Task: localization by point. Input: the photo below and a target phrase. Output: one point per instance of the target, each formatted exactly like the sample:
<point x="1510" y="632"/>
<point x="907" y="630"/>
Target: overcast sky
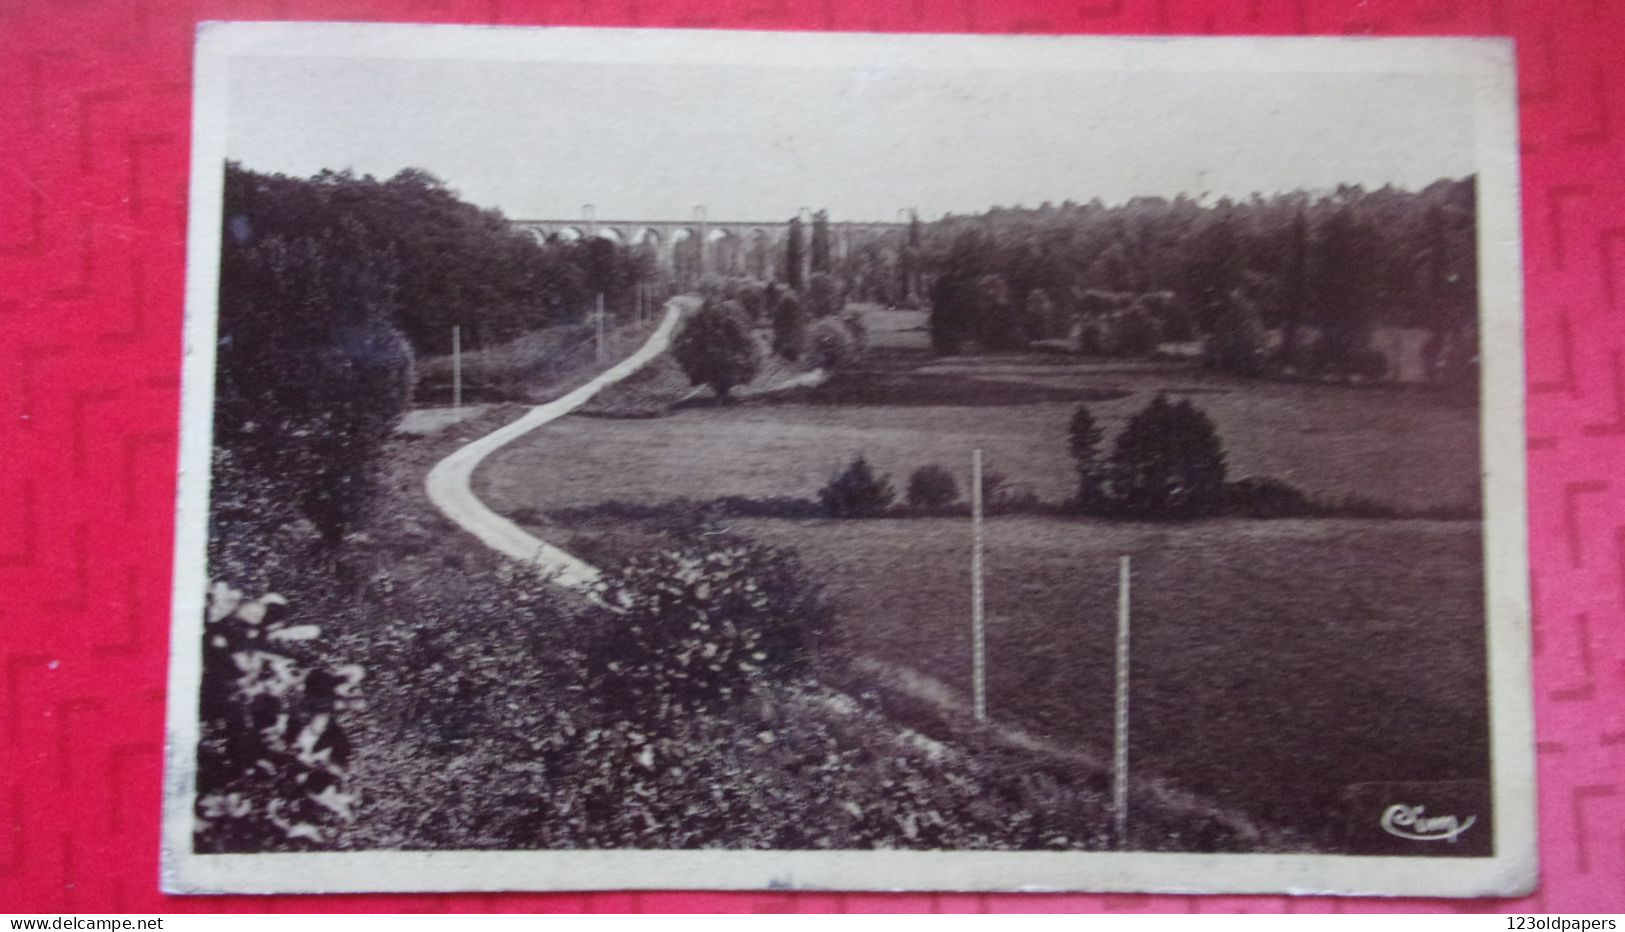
<point x="754" y="143"/>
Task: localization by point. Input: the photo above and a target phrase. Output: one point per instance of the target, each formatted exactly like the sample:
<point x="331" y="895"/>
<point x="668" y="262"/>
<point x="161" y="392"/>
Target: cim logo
<point x="1409" y="822"/>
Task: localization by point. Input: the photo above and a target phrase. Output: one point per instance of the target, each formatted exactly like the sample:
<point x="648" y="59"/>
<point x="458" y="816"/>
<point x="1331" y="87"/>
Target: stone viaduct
<point x="688" y="248"/>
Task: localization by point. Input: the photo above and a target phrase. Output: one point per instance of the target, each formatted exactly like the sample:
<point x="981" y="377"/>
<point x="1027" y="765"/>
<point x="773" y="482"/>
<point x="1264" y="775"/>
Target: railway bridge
<point x="688" y="248"/>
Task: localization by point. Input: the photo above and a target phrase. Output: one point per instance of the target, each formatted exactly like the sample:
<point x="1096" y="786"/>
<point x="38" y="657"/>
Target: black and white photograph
<point x="683" y="459"/>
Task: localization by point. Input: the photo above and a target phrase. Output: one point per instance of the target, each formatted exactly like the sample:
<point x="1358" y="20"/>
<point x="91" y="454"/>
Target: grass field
<point x="1275" y="664"/>
<point x="1397" y="446"/>
<point x="1278" y="665"/>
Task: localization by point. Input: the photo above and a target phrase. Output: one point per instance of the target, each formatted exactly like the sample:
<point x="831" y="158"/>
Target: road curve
<point x="449" y="483"/>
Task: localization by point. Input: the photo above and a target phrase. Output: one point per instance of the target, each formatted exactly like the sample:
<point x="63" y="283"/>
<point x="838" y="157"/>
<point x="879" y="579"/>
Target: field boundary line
<point x="450" y="483"/>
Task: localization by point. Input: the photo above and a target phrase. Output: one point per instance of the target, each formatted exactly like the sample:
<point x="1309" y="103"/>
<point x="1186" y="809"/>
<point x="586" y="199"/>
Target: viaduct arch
<point x="697" y="246"/>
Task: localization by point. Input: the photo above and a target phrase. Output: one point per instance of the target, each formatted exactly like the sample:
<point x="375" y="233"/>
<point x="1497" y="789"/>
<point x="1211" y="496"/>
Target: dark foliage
<point x="450" y="262"/>
<point x="834" y="345"/>
<point x="1137" y="331"/>
<point x="1236" y="343"/>
<point x="716" y="349"/>
<point x="825" y="295"/>
<point x="1340" y="263"/>
<point x="1344" y="282"/>
<point x="273" y="760"/>
<point x="932" y="487"/>
<point x="1084" y="437"/>
<point x="1263" y="497"/>
<point x="1167" y="463"/>
<point x="1041" y="317"/>
<point x="789" y="327"/>
<point x="819" y="259"/>
<point x="857" y="492"/>
<point x="794" y="255"/>
<point x="311" y="374"/>
<point x="701" y="624"/>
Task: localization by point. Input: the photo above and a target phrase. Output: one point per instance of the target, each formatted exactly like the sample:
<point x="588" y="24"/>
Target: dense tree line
<point x="449" y="262"/>
<point x="1338" y="263"/>
<point x="329" y="288"/>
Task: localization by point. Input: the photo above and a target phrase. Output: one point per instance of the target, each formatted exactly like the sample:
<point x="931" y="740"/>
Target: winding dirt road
<point x="449" y="483"/>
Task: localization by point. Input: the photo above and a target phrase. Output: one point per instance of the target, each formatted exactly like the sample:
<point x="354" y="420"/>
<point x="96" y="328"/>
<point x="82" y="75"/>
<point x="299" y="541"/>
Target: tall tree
<point x="1216" y="261"/>
<point x="1294" y="280"/>
<point x="1343" y="288"/>
<point x="908" y="263"/>
<point x="820" y="242"/>
<point x="793" y="255"/>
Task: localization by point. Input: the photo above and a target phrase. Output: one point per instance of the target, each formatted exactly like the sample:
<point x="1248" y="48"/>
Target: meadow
<point x="1279" y="666"/>
<point x="1398" y="446"/>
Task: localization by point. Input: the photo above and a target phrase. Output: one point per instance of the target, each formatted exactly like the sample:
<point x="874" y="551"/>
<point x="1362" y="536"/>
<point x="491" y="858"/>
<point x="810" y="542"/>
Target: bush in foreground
<point x="701" y="624"/>
<point x="272" y="768"/>
<point x="856" y="492"/>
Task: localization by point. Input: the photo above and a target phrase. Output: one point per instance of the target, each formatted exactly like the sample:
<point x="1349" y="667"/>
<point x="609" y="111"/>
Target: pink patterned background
<point x="94" y="126"/>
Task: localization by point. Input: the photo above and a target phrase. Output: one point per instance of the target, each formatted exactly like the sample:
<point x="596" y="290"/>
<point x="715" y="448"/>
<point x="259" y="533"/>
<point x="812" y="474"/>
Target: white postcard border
<point x="1486" y="63"/>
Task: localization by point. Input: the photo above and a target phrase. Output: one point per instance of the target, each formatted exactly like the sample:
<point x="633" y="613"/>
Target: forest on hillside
<point x="1334" y="264"/>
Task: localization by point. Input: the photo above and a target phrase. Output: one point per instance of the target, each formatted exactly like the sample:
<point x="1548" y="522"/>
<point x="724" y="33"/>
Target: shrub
<point x="1237" y="341"/>
<point x="992" y="486"/>
<point x="833" y="345"/>
<point x="932" y="487"/>
<point x="273" y="761"/>
<point x="789" y="327"/>
<point x="1264" y="497"/>
<point x="1012" y="495"/>
<point x="1167" y="463"/>
<point x="856" y="492"/>
<point x="701" y="624"/>
<point x="715" y="348"/>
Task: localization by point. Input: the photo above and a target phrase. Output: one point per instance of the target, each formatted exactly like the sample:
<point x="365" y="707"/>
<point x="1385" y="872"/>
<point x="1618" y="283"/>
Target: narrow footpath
<point x="450" y="488"/>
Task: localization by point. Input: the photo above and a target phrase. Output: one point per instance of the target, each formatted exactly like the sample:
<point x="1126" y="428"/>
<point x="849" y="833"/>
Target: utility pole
<point x="978" y="635"/>
<point x="1120" y="745"/>
<point x="600" y="326"/>
<point x="457" y="367"/>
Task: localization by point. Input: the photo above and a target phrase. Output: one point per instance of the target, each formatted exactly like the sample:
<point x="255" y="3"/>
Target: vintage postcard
<point x="684" y="459"/>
